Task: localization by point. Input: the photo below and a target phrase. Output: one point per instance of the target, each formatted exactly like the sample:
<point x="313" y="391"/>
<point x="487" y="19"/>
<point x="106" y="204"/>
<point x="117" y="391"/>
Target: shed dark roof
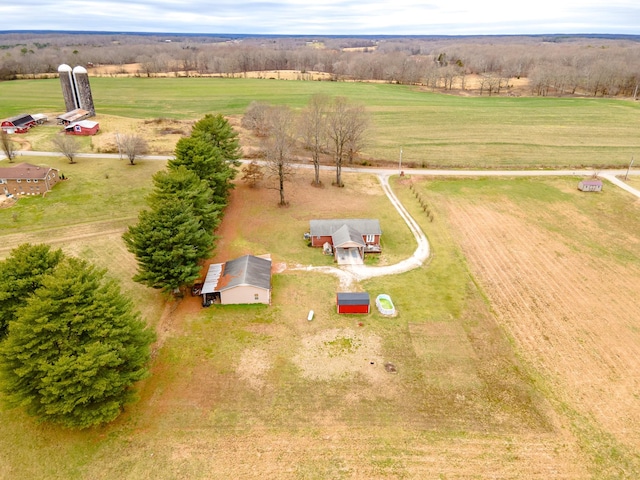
<point x="246" y="270"/>
<point x="357" y="298"/>
<point x="20" y="120"/>
<point x="322" y="228"/>
<point x="24" y="170"/>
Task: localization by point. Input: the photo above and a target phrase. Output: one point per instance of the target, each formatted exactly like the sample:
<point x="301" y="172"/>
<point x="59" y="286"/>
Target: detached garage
<point x="241" y="281"/>
<point x="353" y="302"/>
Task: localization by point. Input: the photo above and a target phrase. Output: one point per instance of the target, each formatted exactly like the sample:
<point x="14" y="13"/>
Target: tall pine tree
<point x="75" y="349"/>
<point x="168" y="242"/>
<point x="20" y="275"/>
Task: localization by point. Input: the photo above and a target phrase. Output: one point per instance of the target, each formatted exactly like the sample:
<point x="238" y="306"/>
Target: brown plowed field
<point x="572" y="310"/>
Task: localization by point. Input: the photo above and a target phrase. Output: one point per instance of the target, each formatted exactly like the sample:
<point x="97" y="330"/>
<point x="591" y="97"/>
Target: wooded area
<point x="553" y="64"/>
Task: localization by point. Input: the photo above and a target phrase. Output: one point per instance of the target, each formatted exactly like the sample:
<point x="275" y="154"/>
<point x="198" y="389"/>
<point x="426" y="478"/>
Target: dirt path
<point x="66" y="234"/>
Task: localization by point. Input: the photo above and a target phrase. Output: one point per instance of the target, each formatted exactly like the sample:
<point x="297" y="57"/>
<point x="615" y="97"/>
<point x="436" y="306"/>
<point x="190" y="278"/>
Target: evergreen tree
<point x="75" y="349"/>
<point x="168" y="242"/>
<point x="216" y="130"/>
<point x="183" y="184"/>
<point x="208" y="163"/>
<point x="20" y="275"/>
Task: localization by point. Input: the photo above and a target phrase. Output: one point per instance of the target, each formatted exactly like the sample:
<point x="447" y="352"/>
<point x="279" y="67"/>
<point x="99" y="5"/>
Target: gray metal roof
<point x="211" y="280"/>
<point x="346" y="234"/>
<point x="246" y="270"/>
<point x="365" y="226"/>
<point x="353" y="298"/>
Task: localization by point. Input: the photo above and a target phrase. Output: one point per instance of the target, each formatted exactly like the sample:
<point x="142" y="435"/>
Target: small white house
<point x="244" y="280"/>
<point x="590" y="185"/>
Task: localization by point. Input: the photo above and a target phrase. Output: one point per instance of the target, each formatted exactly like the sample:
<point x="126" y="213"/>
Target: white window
<point x="371" y="238"/>
<point x="256" y="296"/>
<point x="28" y="180"/>
<point x="35" y="180"/>
<point x="19" y="180"/>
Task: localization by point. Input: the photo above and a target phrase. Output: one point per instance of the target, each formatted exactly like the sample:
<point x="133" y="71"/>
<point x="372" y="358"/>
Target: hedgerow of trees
<point x="555" y="64"/>
<point x="176" y="233"/>
<point x="72" y="345"/>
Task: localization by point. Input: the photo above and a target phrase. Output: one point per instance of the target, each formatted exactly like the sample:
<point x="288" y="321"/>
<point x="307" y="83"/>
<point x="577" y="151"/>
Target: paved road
<point x="349" y="273"/>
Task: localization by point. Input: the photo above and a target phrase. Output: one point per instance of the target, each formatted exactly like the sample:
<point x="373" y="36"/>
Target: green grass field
<point x="232" y="391"/>
<point x="432" y="129"/>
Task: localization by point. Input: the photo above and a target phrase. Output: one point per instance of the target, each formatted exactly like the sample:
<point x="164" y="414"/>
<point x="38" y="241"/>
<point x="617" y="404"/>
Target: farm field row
<point x="432" y="129"/>
<point x="502" y="343"/>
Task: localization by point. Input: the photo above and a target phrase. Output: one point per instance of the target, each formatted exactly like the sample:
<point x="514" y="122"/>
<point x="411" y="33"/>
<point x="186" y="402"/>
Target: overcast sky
<point x="326" y="17"/>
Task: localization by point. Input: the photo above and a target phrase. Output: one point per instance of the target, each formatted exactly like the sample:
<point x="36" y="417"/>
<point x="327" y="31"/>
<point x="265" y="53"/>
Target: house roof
<point x="595" y="182"/>
<point x="83" y="123"/>
<point x="19" y="120"/>
<point x="246" y="270"/>
<point x="74" y="115"/>
<point x="346" y="234"/>
<point x="25" y="170"/>
<point x="322" y="228"/>
<point x="353" y="298"/>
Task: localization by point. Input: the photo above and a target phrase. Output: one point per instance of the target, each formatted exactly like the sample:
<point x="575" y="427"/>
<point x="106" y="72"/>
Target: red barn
<point x="18" y="124"/>
<point x="83" y="127"/>
<point x="353" y="302"/>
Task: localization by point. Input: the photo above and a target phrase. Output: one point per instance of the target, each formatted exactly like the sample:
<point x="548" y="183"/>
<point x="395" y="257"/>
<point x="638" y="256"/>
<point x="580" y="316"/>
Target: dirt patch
<point x="341" y="354"/>
<point x="254" y="364"/>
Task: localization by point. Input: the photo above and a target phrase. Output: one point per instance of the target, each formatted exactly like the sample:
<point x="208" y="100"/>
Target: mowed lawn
<point x="260" y="391"/>
<point x="433" y="130"/>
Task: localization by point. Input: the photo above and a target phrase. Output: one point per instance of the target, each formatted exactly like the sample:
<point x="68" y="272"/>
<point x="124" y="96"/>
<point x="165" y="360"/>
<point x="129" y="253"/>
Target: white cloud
<point x="329" y="17"/>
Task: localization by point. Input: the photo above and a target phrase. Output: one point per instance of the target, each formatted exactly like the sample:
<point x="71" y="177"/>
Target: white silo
<point x="68" y="87"/>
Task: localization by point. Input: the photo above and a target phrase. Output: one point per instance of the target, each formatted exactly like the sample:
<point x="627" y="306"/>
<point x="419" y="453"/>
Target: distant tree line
<point x="176" y="233"/>
<point x="555" y="65"/>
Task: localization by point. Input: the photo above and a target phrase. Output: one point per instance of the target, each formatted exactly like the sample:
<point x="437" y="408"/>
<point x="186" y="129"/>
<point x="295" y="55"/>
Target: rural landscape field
<point x="515" y="345"/>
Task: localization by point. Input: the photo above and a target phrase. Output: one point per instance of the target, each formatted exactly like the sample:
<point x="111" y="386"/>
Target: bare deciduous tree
<point x="356" y="131"/>
<point x="133" y="146"/>
<point x="67" y="145"/>
<point x="277" y="147"/>
<point x="313" y="130"/>
<point x="8" y="146"/>
<point x="346" y="125"/>
<point x="255" y="118"/>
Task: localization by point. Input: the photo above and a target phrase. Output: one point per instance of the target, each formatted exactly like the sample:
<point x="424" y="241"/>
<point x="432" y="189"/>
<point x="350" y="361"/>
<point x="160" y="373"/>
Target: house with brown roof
<point x="28" y="179"/>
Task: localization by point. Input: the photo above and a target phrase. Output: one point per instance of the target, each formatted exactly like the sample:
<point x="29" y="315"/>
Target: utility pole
<point x="628" y="168"/>
<point x="400" y="162"/>
<point x="119" y="146"/>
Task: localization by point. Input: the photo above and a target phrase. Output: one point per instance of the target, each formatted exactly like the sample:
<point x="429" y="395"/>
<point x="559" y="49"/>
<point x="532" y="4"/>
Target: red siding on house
<point x="320" y="241"/>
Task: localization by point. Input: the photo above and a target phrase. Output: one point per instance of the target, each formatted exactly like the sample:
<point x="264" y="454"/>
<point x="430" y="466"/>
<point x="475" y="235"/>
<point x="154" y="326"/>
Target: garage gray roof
<point x="246" y="270"/>
<point x="346" y="234"/>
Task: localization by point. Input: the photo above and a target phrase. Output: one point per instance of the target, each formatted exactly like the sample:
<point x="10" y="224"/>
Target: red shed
<point x="83" y="127"/>
<point x="353" y="302"/>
